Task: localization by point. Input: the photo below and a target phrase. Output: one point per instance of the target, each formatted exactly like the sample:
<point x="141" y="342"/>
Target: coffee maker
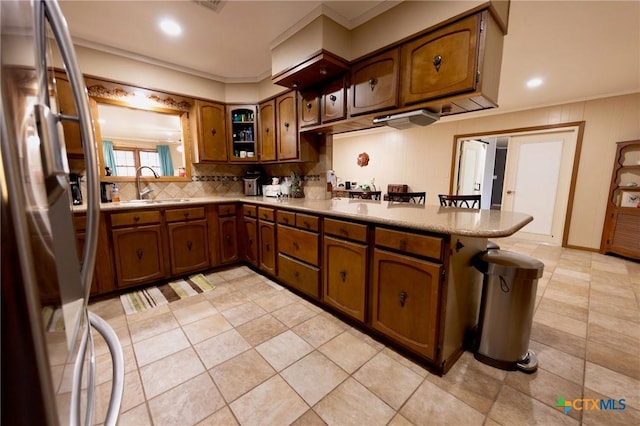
<point x="76" y="192"/>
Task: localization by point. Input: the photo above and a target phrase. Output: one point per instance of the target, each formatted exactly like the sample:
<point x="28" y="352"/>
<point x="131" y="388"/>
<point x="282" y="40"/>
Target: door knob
<point x="510" y="192"/>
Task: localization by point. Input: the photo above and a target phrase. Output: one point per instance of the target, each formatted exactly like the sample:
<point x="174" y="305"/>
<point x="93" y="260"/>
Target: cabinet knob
<point x="296" y="246"/>
<point x="402" y="297"/>
<point x="343" y="275"/>
<point x="189" y="244"/>
<point x="333" y="99"/>
<point x="285" y="220"/>
<point x="267" y="247"/>
<point x="136" y="218"/>
<point x="266" y="130"/>
<point x="228" y="238"/>
<point x="344" y="232"/>
<point x="139" y="253"/>
<point x="309" y="106"/>
<point x="403" y="244"/>
<point x="250" y="241"/>
<point x="437" y="61"/>
<point x="307" y="224"/>
<point x="296" y="274"/>
<point x="372" y="83"/>
<point x="213" y="132"/>
<point x="286" y="126"/>
<point x="186" y="214"/>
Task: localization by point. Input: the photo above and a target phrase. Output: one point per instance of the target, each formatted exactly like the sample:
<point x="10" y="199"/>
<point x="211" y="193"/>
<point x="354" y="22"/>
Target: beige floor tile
<point x="293" y="314"/>
<point x="545" y="387"/>
<point x="220" y="348"/>
<point x="553" y="302"/>
<point x="374" y="343"/>
<point x="284" y="349"/>
<point x="612" y="301"/>
<point x="313" y="377"/>
<point x="241" y="374"/>
<point x="613" y="338"/>
<point x="613" y="359"/>
<point x="348" y="351"/>
<point x="259" y="289"/>
<point x="215" y="278"/>
<point x="558" y="362"/>
<point x="151" y="326"/>
<point x="610" y="417"/>
<point x="137" y="416"/>
<point x="194" y="312"/>
<point x="132" y="396"/>
<point x="274" y="301"/>
<point x="235" y="273"/>
<point x="170" y="371"/>
<point x="222" y="417"/>
<point x="104" y="367"/>
<point x="222" y="302"/>
<point x="261" y="329"/>
<point x="432" y="405"/>
<point x="107" y="309"/>
<point x="159" y="346"/>
<point x="558" y="339"/>
<point x="561" y="322"/>
<point x="611" y="384"/>
<point x="352" y="404"/>
<point x="515" y="408"/>
<point x="411" y="365"/>
<point x="206" y="328"/>
<point x="310" y="418"/>
<point x="628" y="328"/>
<point x="389" y="380"/>
<point x="147" y="314"/>
<point x="187" y="403"/>
<point x="399" y="420"/>
<point x="243" y="313"/>
<point x="472" y="382"/>
<point x="320" y="329"/>
<point x="271" y="403"/>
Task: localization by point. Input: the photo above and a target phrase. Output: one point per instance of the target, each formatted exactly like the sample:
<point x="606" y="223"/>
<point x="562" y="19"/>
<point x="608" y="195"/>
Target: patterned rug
<point x="141" y="300"/>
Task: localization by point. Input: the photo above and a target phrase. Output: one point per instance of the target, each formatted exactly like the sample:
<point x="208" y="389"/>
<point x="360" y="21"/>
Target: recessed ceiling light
<point x="170" y="27"/>
<point x="534" y="82"/>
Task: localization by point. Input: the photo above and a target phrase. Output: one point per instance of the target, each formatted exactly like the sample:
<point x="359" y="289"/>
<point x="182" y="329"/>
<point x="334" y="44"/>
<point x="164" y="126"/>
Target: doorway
<point x="532" y="172"/>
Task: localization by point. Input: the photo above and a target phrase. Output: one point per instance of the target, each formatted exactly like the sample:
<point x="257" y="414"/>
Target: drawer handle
<point x="343" y="275"/>
<point x="250" y="241"/>
<point x="437" y="61"/>
<point x="307" y="224"/>
<point x="309" y="106"/>
<point x="136" y="218"/>
<point x="189" y="244"/>
<point x="403" y="297"/>
<point x="403" y="244"/>
<point x="344" y="232"/>
<point x="265" y="215"/>
<point x="285" y="220"/>
<point x="333" y="99"/>
<point x="228" y="238"/>
<point x="296" y="246"/>
<point x="296" y="274"/>
<point x="139" y="253"/>
<point x="372" y="83"/>
<point x="213" y="132"/>
<point x="266" y="130"/>
<point x="459" y="246"/>
<point x="186" y="215"/>
<point x="267" y="247"/>
<point x="286" y="126"/>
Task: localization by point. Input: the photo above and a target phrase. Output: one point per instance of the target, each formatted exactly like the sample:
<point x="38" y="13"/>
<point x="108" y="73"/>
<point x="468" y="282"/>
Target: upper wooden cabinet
<point x="67" y="106"/>
<point x="441" y="63"/>
<point x="241" y="128"/>
<point x="211" y="141"/>
<point x="267" y="131"/>
<point x="309" y="108"/>
<point x="333" y="102"/>
<point x="374" y="83"/>
<point x="287" y="120"/>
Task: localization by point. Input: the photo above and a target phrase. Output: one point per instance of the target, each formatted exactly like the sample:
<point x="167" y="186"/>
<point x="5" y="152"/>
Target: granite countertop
<point x="445" y="220"/>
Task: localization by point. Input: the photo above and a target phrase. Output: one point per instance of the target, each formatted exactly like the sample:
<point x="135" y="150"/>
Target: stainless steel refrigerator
<point x="48" y="358"/>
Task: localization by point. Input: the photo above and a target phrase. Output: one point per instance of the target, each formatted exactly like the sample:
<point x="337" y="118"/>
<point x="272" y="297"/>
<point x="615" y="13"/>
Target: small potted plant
<point x="296" y="186"/>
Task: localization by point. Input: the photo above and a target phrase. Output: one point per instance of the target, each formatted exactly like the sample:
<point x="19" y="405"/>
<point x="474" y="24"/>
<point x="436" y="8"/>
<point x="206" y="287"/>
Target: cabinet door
<point x="374" y="84"/>
<point x="189" y="246"/>
<point x="406" y="294"/>
<point x="442" y="63"/>
<point x="250" y="241"/>
<point x="309" y="108"/>
<point x="345" y="266"/>
<point x="267" y="232"/>
<point x="334" y="101"/>
<point x="241" y="128"/>
<point x="67" y="106"/>
<point x="138" y="255"/>
<point x="287" y="137"/>
<point x="267" y="136"/>
<point x="229" y="239"/>
<point x="212" y="138"/>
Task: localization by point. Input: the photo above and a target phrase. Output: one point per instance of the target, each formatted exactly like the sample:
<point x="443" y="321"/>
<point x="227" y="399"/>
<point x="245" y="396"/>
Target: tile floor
<point x="252" y="353"/>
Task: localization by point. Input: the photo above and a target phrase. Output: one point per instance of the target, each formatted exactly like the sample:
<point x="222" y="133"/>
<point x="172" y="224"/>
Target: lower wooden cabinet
<point x="267" y="234"/>
<point x="188" y="246"/>
<point x="229" y="239"/>
<point x="103" y="276"/>
<point x="405" y="300"/>
<point x="345" y="276"/>
<point x="138" y="254"/>
<point x="250" y="240"/>
<point x="299" y="275"/>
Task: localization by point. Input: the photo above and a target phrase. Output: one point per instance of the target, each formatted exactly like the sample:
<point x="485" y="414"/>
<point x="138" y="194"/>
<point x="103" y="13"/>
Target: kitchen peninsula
<point x="399" y="271"/>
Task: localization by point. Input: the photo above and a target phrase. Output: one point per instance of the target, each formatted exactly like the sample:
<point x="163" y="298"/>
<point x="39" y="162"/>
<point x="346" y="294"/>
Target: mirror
<point x="134" y="129"/>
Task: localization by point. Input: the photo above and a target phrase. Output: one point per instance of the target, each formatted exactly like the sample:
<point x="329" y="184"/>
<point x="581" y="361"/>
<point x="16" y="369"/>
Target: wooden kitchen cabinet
<point x="227" y="230"/>
<point x="103" y="276"/>
<point x="188" y="241"/>
<point x="405" y="300"/>
<point x="138" y="247"/>
<point x="242" y="133"/>
<point x="287" y="130"/>
<point x="67" y="106"/>
<point x="211" y="138"/>
<point x="621" y="231"/>
<point x="309" y="108"/>
<point x="267" y="237"/>
<point x="267" y="131"/>
<point x="249" y="235"/>
<point x="374" y="83"/>
<point x="333" y="102"/>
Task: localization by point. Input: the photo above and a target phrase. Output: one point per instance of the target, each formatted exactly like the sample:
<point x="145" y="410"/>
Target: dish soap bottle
<point x="115" y="194"/>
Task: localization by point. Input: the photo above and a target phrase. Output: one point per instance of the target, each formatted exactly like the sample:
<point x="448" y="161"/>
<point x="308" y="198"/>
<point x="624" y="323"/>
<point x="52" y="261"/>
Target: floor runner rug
<point x="141" y="300"/>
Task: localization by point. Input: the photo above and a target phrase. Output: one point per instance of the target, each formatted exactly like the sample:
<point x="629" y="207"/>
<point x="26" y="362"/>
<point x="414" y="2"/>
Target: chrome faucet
<point x="147" y="189"/>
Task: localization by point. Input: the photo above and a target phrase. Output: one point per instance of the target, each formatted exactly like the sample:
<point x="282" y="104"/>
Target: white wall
<point x="421" y="157"/>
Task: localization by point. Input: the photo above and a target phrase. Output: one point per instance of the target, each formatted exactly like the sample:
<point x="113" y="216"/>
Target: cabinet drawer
<point x="266" y="214"/>
<point x="305" y="221"/>
<point x="342" y="229"/>
<point x="300" y="276"/>
<point x="80" y="222"/>
<point x="421" y="245"/>
<point x="300" y="244"/>
<point x="135" y="218"/>
<point x="287" y="218"/>
<point x="175" y="215"/>
<point x="250" y="211"/>
<point x="226" y="209"/>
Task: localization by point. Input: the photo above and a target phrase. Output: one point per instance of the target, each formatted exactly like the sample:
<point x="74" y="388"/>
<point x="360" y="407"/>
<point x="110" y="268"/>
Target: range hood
<point x="404" y="120"/>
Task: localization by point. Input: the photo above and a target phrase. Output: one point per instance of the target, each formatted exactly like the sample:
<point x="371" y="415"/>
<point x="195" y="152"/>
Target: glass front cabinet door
<point x="242" y="133"/>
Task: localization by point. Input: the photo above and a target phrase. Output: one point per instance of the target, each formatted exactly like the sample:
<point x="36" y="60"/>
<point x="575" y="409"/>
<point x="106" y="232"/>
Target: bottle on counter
<point x="115" y="194"/>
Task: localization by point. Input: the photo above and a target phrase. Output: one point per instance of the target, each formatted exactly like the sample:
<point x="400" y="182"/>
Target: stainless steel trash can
<point x="506" y="310"/>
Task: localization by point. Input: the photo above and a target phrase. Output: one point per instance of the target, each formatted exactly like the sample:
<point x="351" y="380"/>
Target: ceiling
<point x="581" y="49"/>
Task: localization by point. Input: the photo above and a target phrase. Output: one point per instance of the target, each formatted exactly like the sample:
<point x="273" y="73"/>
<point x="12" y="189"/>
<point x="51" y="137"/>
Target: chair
<point x="466" y="201"/>
<point x="365" y="195"/>
<point x="407" y="197"/>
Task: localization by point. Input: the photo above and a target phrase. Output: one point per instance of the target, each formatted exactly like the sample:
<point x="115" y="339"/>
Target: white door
<point x="471" y="167"/>
<point x="537" y="182"/>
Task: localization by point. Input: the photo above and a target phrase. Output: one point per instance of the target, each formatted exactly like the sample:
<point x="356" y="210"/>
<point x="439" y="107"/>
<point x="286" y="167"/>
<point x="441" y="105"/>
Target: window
<point x="129" y="159"/>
